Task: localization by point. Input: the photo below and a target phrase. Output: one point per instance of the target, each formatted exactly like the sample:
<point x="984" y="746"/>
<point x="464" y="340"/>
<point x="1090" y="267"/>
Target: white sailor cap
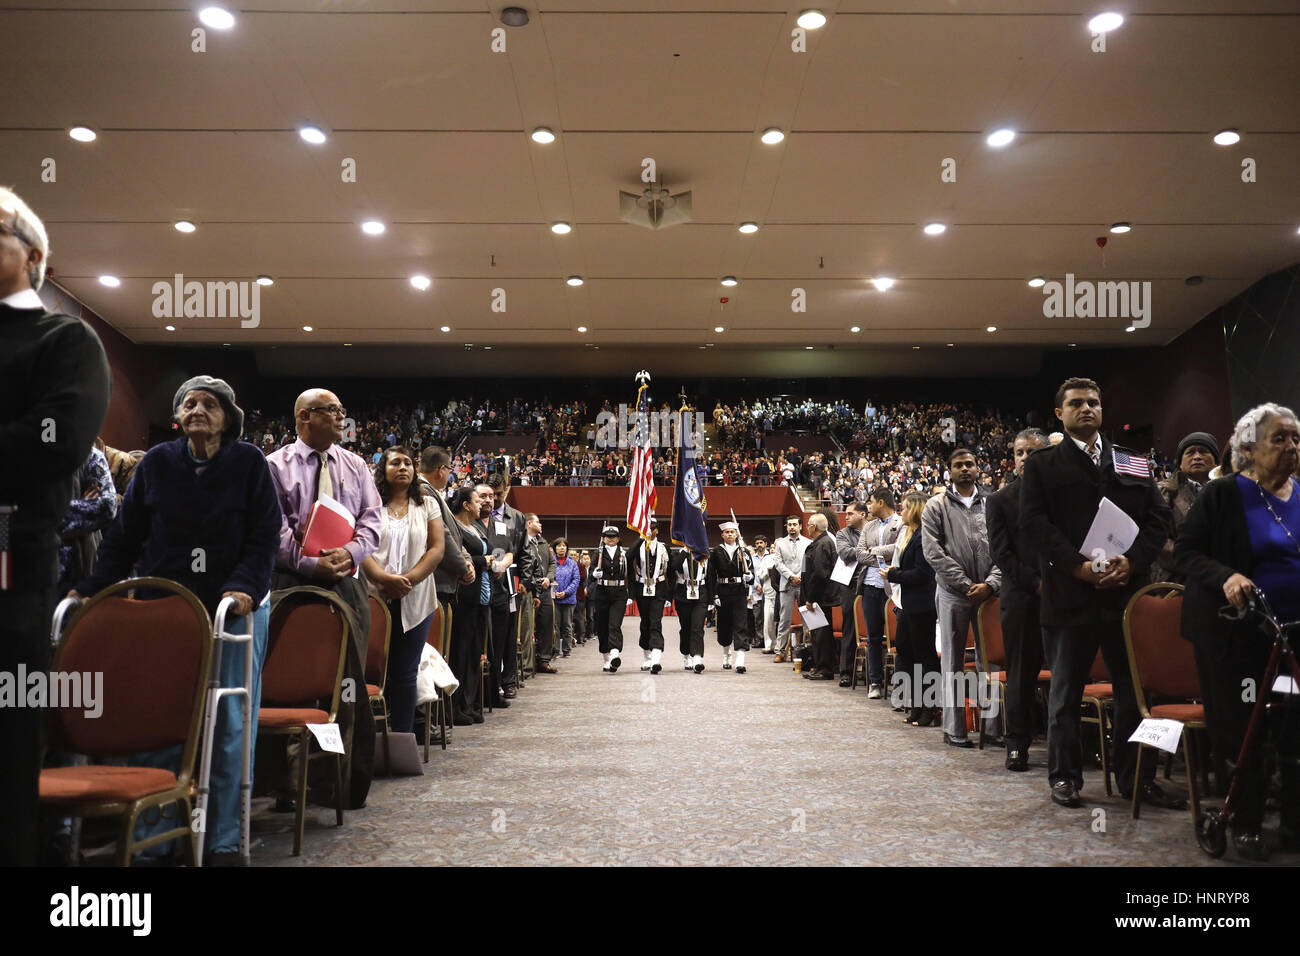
<point x="728" y="526"/>
<point x="609" y="529"/>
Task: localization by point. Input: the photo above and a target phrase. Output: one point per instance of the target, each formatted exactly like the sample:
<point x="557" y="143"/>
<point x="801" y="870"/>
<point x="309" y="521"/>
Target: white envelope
<point x="813" y="617"/>
<point x="1112" y="531"/>
<point x="843" y="573"/>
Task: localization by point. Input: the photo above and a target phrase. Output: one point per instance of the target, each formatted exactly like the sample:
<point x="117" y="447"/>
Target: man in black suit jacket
<point x="1083" y="596"/>
<point x="509" y="521"/>
<point x="54" y="386"/>
<point x="1022" y="634"/>
<point x="816" y="587"/>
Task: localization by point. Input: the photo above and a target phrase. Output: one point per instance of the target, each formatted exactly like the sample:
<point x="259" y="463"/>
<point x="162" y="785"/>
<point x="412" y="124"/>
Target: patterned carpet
<point x="716" y="769"/>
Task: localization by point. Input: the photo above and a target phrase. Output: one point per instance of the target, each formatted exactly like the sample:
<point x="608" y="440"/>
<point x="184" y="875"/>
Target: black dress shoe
<point x="613" y="665"/>
<point x="1017" y="760"/>
<point x="510" y="693"/>
<point x="501" y="702"/>
<point x="1063" y="792"/>
<point x="285" y="805"/>
<point x="740" y="668"/>
<point x="1154" y="796"/>
<point x="656" y="668"/>
<point x="995" y="742"/>
<point x="820" y="675"/>
<point x="963" y="742"/>
<point x="1250" y="846"/>
<point x="462" y="720"/>
<point x="477" y="718"/>
<point x="845" y="682"/>
<point x="928" y="717"/>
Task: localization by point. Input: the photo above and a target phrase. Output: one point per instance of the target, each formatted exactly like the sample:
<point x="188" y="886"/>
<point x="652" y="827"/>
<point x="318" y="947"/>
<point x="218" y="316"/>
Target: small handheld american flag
<point x="1130" y="464"/>
<point x="6" y="557"/>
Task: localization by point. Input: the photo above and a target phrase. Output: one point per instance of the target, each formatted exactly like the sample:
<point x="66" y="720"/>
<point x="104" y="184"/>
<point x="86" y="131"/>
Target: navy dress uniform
<point x="609" y="574"/>
<point x="648" y="581"/>
<point x="691" y="597"/>
<point x="730" y="576"/>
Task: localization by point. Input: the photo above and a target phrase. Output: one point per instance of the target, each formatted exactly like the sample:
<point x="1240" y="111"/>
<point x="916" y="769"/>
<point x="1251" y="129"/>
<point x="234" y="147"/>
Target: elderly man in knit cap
<point x="1198" y="454"/>
<point x="202" y="511"/>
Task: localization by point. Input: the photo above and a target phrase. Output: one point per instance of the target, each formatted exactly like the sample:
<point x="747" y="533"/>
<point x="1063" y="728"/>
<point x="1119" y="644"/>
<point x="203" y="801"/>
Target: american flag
<point x="1130" y="464"/>
<point x="5" y="569"/>
<point x="641" y="488"/>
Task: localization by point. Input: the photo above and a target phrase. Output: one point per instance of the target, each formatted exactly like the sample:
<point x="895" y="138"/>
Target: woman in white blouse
<point x="400" y="573"/>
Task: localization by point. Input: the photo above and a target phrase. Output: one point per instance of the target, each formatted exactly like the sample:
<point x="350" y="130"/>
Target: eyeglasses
<point x="336" y="411"/>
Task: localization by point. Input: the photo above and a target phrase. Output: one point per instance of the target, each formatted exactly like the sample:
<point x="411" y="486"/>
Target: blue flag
<point x="690" y="510"/>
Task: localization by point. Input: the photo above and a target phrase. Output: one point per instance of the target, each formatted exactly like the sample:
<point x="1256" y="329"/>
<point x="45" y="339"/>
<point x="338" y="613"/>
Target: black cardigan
<point x="915" y="577"/>
<point x="1212" y="545"/>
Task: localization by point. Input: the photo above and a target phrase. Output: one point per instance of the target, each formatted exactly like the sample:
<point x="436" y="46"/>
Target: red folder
<point x="330" y="526"/>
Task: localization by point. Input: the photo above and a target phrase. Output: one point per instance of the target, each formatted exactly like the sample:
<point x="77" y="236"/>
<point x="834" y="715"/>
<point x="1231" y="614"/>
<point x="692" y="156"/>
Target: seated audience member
<point x="400" y="573"/>
<point x="916" y="665"/>
<point x="206" y="490"/>
<point x="1198" y="455"/>
<point x="312" y="467"/>
<point x="1242" y="535"/>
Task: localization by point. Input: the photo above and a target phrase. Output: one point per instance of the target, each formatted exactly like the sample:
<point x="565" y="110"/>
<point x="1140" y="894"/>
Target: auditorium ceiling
<point x="436" y="124"/>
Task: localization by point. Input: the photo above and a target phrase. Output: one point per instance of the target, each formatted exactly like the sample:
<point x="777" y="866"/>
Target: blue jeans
<point x="223" y="792"/>
<point x="404" y="649"/>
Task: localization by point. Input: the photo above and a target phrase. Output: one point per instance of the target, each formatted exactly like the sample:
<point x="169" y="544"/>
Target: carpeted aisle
<point x="718" y="769"/>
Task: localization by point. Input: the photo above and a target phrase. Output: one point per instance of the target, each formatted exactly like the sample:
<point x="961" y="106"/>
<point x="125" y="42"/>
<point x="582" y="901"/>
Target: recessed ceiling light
<point x="184" y="225"/>
<point x="718" y="328"/>
<point x="82" y="134"/>
<point x="808" y="348"/>
<point x="225" y="345"/>
<point x="1037" y="282"/>
<point x="916" y="348"/>
<point x="1000" y="137"/>
<point x="935" y="229"/>
<point x="514" y="16"/>
<point x="855" y="329"/>
<point x="1074" y="345"/>
<point x="728" y="280"/>
<point x="373" y="227"/>
<point x="582" y="328"/>
<point x="748" y="227"/>
<point x="951" y="344"/>
<point x="111" y="281"/>
<point x="487" y="348"/>
<point x="217" y="18"/>
<point x="1121" y="227"/>
<point x="543" y="135"/>
<point x="883" y="283"/>
<point x="265" y="280"/>
<point x="561" y="228"/>
<point x="312" y="134"/>
<point x="1227" y="137"/>
<point x="1131" y="328"/>
<point x="347" y="345"/>
<point x="446" y="328"/>
<point x="991" y="328"/>
<point x="1105" y="22"/>
<point x="307" y="328"/>
<point x="772" y="136"/>
<point x="811" y="19"/>
<point x="574" y="280"/>
<point x="170" y="328"/>
<point x="421" y="282"/>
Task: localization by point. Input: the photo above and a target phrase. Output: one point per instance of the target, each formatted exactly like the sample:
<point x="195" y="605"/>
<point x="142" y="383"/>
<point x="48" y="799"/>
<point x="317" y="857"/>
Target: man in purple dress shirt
<point x="313" y="466"/>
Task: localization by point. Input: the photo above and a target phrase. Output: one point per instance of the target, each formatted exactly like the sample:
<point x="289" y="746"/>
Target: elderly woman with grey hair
<point x="207" y="494"/>
<point x="1242" y="535"/>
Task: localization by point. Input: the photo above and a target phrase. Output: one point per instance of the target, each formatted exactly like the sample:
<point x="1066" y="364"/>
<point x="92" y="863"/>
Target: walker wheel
<point x="1212" y="832"/>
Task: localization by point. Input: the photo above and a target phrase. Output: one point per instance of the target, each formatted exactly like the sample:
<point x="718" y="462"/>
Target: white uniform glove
<point x="748" y="577"/>
<point x="717" y="602"/>
<point x="598" y="574"/>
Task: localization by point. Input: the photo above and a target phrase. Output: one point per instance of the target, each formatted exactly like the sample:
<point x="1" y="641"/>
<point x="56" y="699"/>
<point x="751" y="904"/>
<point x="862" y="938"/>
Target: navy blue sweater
<point x="230" y="511"/>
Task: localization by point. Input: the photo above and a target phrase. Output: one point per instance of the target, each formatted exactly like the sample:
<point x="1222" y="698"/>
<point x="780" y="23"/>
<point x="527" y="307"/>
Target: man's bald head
<point x="318" y="417"/>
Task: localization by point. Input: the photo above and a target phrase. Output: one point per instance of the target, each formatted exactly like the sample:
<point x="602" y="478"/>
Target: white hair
<point x="30" y="230"/>
<point x="1245" y="434"/>
<point x="817" y="521"/>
